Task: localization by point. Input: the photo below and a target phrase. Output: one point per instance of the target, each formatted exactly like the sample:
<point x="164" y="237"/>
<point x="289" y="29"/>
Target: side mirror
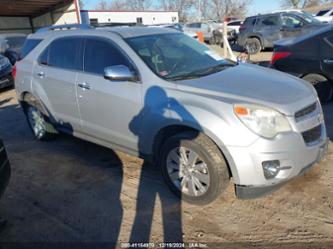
<point x="119" y="73"/>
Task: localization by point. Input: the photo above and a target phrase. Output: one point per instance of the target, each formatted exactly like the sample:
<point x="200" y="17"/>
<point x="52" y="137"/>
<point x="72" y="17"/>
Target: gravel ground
<point x="69" y="190"/>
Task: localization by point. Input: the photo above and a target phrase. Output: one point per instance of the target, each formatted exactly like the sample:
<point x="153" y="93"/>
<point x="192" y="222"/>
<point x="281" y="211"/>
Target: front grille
<point x="312" y="135"/>
<point x="306" y="111"/>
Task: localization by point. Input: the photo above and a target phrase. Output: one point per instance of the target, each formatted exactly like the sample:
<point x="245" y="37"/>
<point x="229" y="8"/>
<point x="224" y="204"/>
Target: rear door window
<point x="270" y="21"/>
<point x="250" y="21"/>
<point x="65" y="53"/>
<point x="100" y="53"/>
<point x="28" y="46"/>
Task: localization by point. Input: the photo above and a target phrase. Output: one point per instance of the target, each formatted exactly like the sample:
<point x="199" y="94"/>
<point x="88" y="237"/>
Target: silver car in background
<point x="159" y="94"/>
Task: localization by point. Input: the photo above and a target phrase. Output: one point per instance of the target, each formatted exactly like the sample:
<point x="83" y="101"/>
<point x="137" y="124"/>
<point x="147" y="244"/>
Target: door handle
<point x="41" y="75"/>
<point x="328" y="61"/>
<point x="84" y="86"/>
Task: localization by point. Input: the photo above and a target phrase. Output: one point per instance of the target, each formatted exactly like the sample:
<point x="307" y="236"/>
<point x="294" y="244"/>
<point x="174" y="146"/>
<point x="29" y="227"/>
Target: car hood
<point x="254" y="84"/>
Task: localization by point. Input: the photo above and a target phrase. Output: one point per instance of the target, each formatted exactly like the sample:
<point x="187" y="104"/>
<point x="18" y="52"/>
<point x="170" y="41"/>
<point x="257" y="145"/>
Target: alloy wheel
<point x="188" y="172"/>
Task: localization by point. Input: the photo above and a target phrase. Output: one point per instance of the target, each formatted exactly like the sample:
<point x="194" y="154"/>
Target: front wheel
<point x="194" y="168"/>
<point x="41" y="128"/>
<point x="322" y="85"/>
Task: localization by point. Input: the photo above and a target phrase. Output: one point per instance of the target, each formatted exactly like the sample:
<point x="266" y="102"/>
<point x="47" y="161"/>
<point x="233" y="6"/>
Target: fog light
<point x="271" y="168"/>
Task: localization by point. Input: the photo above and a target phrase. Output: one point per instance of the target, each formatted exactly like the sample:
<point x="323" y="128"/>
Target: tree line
<point x="198" y="9"/>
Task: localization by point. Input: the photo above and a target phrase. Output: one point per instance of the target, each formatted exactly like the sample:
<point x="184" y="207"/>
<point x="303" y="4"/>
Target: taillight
<point x="242" y="27"/>
<point x="14" y="71"/>
<point x="278" y="56"/>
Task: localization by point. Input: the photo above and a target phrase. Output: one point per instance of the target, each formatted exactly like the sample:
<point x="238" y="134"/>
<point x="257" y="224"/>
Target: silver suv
<point x="159" y="94"/>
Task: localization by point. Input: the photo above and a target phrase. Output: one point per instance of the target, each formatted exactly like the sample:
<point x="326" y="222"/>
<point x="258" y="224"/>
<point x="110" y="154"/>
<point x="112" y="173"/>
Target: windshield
<point x="177" y="56"/>
<point x="309" y="18"/>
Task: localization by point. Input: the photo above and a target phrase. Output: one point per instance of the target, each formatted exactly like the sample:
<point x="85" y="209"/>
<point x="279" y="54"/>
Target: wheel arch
<point x="174" y="129"/>
<point x="257" y="36"/>
<point x="27" y="98"/>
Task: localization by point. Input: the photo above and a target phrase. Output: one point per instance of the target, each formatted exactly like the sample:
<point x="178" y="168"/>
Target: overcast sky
<point x="257" y="6"/>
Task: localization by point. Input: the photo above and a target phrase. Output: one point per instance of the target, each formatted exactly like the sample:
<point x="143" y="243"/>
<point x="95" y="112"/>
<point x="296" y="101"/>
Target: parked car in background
<point x="159" y="94"/>
<point x="6" y="78"/>
<point x="309" y="57"/>
<point x="206" y="28"/>
<point x="325" y="15"/>
<point x="10" y="46"/>
<point x="232" y="32"/>
<point x="12" y="41"/>
<point x="235" y="25"/>
<point x="4" y="169"/>
<point x="261" y="31"/>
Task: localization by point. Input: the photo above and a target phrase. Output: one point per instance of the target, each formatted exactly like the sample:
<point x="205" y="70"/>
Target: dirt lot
<point x="69" y="190"/>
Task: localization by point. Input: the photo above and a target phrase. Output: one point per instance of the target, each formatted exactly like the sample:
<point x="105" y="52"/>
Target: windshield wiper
<point x="201" y="73"/>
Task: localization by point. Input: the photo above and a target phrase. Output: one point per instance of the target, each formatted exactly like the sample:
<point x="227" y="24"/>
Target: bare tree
<point x="81" y="4"/>
<point x="102" y="5"/>
<point x="219" y="9"/>
<point x="182" y="6"/>
<point x="303" y="3"/>
<point x="124" y="4"/>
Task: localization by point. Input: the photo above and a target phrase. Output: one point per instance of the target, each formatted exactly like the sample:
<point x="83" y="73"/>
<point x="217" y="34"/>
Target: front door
<point x="292" y="26"/>
<point x="107" y="107"/>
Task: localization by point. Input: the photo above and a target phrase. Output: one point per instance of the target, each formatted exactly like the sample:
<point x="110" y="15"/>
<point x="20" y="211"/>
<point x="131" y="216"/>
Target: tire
<point x="322" y="85"/>
<point x="210" y="168"/>
<point x="42" y="129"/>
<point x="253" y="45"/>
<point x="212" y="40"/>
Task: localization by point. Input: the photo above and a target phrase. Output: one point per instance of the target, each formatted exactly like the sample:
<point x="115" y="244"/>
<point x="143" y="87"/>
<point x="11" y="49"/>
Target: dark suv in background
<point x="260" y="32"/>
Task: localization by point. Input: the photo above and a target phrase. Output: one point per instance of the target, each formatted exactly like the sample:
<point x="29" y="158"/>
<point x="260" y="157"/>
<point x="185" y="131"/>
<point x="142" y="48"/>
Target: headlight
<point x="261" y="120"/>
<point x="4" y="62"/>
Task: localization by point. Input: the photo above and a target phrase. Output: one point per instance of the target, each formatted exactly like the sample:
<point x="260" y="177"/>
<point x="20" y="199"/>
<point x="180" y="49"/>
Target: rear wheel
<point x="41" y="128"/>
<point x="253" y="45"/>
<point x="322" y="85"/>
<point x="194" y="168"/>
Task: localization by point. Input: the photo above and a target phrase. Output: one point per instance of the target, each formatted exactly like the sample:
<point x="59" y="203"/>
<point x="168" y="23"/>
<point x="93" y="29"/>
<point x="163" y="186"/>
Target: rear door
<point x="107" y="107"/>
<point x="269" y="29"/>
<point x="326" y="47"/>
<point x="54" y="78"/>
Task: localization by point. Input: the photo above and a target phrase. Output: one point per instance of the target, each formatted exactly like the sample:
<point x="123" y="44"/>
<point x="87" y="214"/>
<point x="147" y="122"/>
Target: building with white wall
<point x="116" y="16"/>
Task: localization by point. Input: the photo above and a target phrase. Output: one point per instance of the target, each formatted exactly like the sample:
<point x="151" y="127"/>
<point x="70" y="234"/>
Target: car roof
<point x="263" y="15"/>
<point x="129" y="32"/>
<point x="123" y="31"/>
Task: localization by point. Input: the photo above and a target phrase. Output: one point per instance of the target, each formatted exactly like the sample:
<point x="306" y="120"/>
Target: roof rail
<point x="64" y="27"/>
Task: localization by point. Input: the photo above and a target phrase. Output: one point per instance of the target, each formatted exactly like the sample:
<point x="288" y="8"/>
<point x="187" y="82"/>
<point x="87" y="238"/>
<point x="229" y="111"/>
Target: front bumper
<point x="251" y="192"/>
<point x="295" y="151"/>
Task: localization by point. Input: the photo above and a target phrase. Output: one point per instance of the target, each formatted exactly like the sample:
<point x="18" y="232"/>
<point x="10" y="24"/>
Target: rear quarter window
<point x="270" y="21"/>
<point x="28" y="46"/>
<point x="250" y="21"/>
